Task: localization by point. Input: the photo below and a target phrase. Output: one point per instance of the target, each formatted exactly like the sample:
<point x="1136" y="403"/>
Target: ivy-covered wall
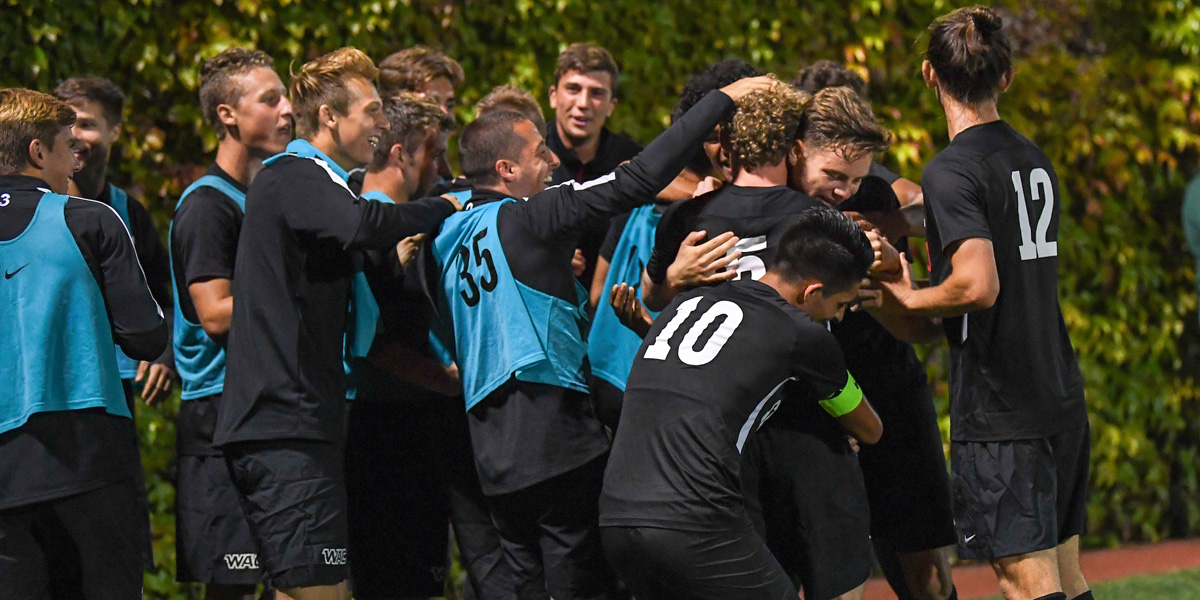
<point x="1106" y="87"/>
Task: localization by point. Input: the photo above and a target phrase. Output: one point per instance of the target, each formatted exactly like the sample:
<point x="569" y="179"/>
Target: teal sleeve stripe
<point x="846" y="400"/>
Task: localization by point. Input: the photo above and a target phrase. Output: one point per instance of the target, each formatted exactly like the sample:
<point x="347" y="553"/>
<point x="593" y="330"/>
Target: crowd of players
<point x="665" y="354"/>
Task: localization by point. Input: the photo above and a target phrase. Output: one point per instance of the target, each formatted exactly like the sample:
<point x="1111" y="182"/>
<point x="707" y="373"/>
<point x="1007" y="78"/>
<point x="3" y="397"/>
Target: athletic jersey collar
<point x="480" y="197"/>
<point x="304" y="149"/>
<point x="378" y="196"/>
<point x="22" y="183"/>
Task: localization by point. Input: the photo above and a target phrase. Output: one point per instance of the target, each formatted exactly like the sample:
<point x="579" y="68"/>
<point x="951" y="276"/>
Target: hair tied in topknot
<point x="986" y="20"/>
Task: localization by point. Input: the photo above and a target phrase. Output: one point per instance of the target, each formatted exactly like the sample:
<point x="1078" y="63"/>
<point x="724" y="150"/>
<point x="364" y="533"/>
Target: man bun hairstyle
<point x="486" y="140"/>
<point x="838" y="119"/>
<point x="511" y="97"/>
<point x="584" y="58"/>
<point x="826" y="245"/>
<point x="217" y="85"/>
<point x="412" y="118"/>
<point x="26" y="115"/>
<point x="970" y="53"/>
<point x="96" y="89"/>
<point x="764" y="126"/>
<point x="826" y="74"/>
<point x="411" y="69"/>
<point x="323" y="81"/>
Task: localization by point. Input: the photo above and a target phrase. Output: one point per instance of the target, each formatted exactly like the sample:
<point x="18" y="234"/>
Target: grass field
<point x="1184" y="585"/>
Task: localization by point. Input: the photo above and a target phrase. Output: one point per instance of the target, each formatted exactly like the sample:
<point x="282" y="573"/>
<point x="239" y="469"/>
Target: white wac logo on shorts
<point x="334" y="556"/>
<point x="240" y="562"/>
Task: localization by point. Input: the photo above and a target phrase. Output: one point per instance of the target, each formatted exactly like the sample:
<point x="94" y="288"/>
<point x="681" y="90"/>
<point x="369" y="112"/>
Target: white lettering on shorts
<point x="241" y="562"/>
<point x="334" y="556"/>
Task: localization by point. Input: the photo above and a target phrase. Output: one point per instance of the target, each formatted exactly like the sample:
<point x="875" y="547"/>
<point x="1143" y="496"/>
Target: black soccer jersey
<point x="709" y="373"/>
<point x="1013" y="373"/>
<point x="757" y="215"/>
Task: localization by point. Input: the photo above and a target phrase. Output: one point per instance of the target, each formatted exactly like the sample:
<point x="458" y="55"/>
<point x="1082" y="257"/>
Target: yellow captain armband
<point x="846" y="400"/>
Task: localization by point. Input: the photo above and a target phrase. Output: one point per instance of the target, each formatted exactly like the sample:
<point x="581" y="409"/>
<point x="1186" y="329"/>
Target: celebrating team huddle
<point x="679" y="371"/>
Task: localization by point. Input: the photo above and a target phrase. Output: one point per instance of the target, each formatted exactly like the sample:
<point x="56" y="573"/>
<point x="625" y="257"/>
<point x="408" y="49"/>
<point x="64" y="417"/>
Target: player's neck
<point x="788" y="291"/>
<point x="324" y="141"/>
<point x="236" y="159"/>
<point x="960" y="116"/>
<point x="584" y="149"/>
<point x="764" y="176"/>
<point x="387" y="183"/>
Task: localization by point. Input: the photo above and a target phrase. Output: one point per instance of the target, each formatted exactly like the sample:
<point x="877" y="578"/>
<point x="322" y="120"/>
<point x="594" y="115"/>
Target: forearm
<point x="954" y="297"/>
<point x="656" y="296"/>
<point x="384" y="225"/>
<point x="909" y="328"/>
<point x="914" y="216"/>
<point x="143" y="345"/>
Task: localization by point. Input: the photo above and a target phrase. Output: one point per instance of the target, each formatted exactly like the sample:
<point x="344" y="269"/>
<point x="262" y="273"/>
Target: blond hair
<point x="323" y="82"/>
<point x="838" y="119"/>
<point x="764" y="126"/>
<point x="26" y="115"/>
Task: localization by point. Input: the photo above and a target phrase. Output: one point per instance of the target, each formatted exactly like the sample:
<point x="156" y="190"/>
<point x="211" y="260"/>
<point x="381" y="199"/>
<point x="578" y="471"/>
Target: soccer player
<point x="398" y="468"/>
<point x="73" y="517"/>
<point x="711" y="371"/>
<point x="244" y="101"/>
<point x="424" y="72"/>
<point x="500" y="273"/>
<point x="281" y="420"/>
<point x="100" y="104"/>
<point x="1018" y="421"/>
<point x="583" y="97"/>
<point x="905" y="473"/>
<point x="895" y="224"/>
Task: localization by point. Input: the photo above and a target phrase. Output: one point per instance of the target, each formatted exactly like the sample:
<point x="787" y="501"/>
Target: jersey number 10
<point x="1039" y="185"/>
<point x="661" y="347"/>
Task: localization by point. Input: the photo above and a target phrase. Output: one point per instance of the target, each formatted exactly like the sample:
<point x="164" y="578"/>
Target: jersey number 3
<point x="1039" y="186"/>
<point x="487" y="281"/>
<point x="661" y="347"/>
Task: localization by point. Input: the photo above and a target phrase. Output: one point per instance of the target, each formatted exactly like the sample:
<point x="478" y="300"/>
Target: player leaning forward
<point x="711" y="370"/>
<point x="281" y="423"/>
<point x="1018" y="422"/>
<point x="71" y="522"/>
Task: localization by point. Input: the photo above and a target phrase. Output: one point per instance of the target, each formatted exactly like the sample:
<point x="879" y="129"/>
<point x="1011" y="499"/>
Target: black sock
<point x="1054" y="596"/>
<point x="1085" y="596"/>
<point x="953" y="594"/>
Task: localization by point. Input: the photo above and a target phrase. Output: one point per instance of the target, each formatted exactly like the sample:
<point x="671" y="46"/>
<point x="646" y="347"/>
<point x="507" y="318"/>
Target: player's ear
<point x="813" y="290"/>
<point x="37" y="153"/>
<point x="325" y="116"/>
<point x="396" y="155"/>
<point x="553" y="100"/>
<point x="1007" y="80"/>
<point x="795" y="155"/>
<point x="506" y="169"/>
<point x="929" y="74"/>
<point x="225" y="116"/>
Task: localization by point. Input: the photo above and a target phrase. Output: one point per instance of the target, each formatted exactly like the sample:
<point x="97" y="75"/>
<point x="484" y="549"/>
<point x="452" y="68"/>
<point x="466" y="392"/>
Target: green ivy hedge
<point x="1107" y="88"/>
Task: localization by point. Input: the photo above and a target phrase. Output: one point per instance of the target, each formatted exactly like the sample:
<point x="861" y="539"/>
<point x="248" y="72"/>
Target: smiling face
<point x="357" y="132"/>
<point x="826" y="175"/>
<point x="60" y="162"/>
<point x="261" y="119"/>
<point x="582" y="102"/>
<point x="94" y="137"/>
<point x="530" y="173"/>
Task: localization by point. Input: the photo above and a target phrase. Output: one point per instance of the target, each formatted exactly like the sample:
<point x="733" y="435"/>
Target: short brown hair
<point x="511" y="97"/>
<point x="96" y="89"/>
<point x="26" y="115"/>
<point x="826" y="74"/>
<point x="838" y="119"/>
<point x="489" y="138"/>
<point x="216" y="81"/>
<point x="412" y="119"/>
<point x="764" y="126"/>
<point x="323" y="81"/>
<point x="970" y="53"/>
<point x="412" y="68"/>
<point x="584" y="58"/>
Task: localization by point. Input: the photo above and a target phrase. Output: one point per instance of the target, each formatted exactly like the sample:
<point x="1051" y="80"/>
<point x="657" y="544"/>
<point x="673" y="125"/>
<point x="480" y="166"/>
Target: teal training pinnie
<point x="120" y="203"/>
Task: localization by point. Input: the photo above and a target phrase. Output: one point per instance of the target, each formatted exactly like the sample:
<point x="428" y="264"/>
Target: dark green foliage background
<point x="1106" y="87"/>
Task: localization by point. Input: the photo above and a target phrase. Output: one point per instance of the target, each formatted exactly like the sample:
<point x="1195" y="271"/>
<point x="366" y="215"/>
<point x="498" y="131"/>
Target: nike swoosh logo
<point x="967" y="540"/>
<point x="8" y="275"/>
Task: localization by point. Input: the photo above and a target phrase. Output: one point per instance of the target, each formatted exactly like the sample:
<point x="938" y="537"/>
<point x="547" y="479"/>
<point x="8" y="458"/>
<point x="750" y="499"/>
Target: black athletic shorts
<point x="551" y="538"/>
<point x="805" y="495"/>
<point x="398" y="493"/>
<point x="88" y="545"/>
<point x="667" y="564"/>
<point x="294" y="495"/>
<point x="608" y="399"/>
<point x="908" y="485"/>
<point x="213" y="544"/>
<point x="1020" y="496"/>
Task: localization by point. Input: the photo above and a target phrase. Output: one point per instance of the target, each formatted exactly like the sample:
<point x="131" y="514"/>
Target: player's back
<point x="1018" y="375"/>
<point x="757" y="215"/>
<point x="707" y="376"/>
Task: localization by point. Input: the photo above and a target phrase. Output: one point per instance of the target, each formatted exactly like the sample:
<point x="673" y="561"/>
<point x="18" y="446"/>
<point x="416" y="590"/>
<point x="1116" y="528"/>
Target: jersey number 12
<point x="1039" y="186"/>
<point x="661" y="347"/>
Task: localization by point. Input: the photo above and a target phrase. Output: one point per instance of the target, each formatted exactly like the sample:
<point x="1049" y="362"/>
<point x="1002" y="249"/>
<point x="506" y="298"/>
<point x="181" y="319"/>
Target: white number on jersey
<point x="1039" y="186"/>
<point x="661" y="347"/>
<point x="749" y="265"/>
